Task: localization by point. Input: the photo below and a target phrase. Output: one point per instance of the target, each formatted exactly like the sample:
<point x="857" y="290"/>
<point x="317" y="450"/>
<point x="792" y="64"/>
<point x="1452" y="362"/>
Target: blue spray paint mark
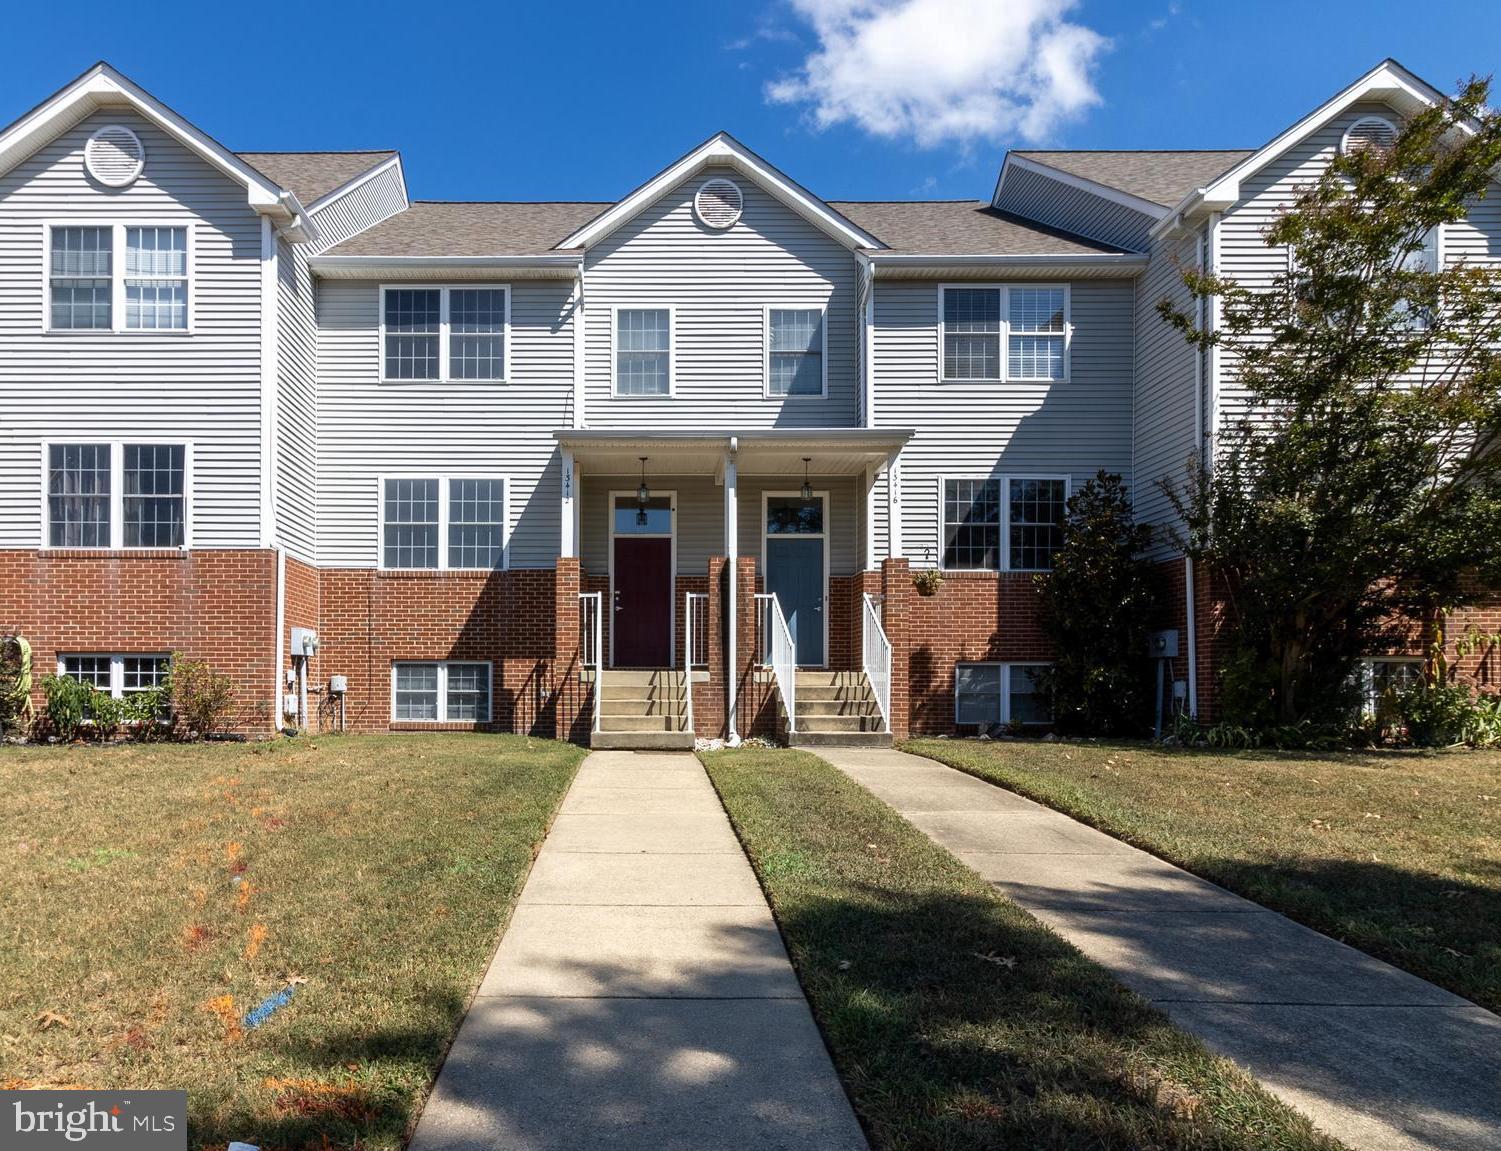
<point x="269" y="1006"/>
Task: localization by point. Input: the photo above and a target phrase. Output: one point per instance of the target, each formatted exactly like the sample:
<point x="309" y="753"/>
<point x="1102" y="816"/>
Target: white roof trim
<point x="103" y="87"/>
<point x="1387" y="81"/>
<point x="724" y="149"/>
<point x="364" y="177"/>
<point x="551" y="265"/>
<point x="1083" y="183"/>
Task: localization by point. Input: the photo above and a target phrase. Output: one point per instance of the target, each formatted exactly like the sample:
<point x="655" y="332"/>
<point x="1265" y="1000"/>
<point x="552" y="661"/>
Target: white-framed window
<point x="117" y="277"/>
<point x="117" y="674"/>
<point x="1005" y="693"/>
<point x="441" y="523"/>
<point x="449" y="691"/>
<point x="1384" y="677"/>
<point x="456" y="333"/>
<point x="797" y="346"/>
<point x="1001" y="523"/>
<point x="993" y="332"/>
<point x="116" y="495"/>
<point x="642" y="359"/>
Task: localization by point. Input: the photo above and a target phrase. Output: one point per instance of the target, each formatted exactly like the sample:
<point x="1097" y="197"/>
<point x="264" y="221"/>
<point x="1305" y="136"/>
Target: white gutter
<point x="561" y="260"/>
<point x="1079" y="260"/>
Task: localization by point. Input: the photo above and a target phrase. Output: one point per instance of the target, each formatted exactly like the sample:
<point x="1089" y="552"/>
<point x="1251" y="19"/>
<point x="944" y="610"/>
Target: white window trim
<point x="1368" y="696"/>
<point x="444" y="375"/>
<point x="117" y="494"/>
<point x="116" y="665"/>
<point x="672" y="348"/>
<point x="1005" y="335"/>
<point x="443" y="665"/>
<point x="443" y="479"/>
<point x="1005" y="666"/>
<point x="117" y="277"/>
<point x="1005" y="481"/>
<point x="823" y="356"/>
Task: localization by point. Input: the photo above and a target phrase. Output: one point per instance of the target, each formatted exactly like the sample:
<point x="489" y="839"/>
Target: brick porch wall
<point x="218" y="606"/>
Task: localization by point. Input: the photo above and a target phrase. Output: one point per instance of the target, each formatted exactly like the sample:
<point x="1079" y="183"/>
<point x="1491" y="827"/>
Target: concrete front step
<point x="824" y="678"/>
<point x="640" y="722"/>
<point x="839" y="723"/>
<point x="649" y="677"/>
<point x="609" y="689"/>
<point x="841" y="739"/>
<point x="642" y="741"/>
<point x="816" y="707"/>
<point x="665" y="706"/>
<point x="832" y="691"/>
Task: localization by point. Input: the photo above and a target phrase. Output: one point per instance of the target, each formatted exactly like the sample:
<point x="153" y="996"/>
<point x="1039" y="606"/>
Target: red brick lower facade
<point x="221" y="607"/>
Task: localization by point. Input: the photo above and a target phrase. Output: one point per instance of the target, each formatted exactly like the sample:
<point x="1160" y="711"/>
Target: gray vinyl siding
<point x="719" y="283"/>
<point x="1060" y="205"/>
<point x="360" y="208"/>
<point x="700" y="518"/>
<point x="203" y="387"/>
<point x="295" y="458"/>
<point x="1477" y="238"/>
<point x="1071" y="428"/>
<point x="366" y="428"/>
<point x="1163" y="424"/>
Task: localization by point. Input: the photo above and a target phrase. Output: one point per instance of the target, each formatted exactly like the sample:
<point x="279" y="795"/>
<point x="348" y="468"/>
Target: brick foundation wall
<point x="218" y="606"/>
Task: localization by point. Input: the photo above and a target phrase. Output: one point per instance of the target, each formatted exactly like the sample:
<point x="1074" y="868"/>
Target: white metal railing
<point x="591" y="642"/>
<point x="695" y="639"/>
<point x="877" y="658"/>
<point x="778" y="652"/>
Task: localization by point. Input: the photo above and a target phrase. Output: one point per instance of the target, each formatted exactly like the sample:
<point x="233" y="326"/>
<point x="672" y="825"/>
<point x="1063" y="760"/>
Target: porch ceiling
<point x="833" y="451"/>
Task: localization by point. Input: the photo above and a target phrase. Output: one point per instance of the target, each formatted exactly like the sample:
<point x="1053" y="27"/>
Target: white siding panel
<point x="295" y="453"/>
<point x="366" y="427"/>
<point x="1061" y="205"/>
<point x="203" y="387"/>
<point x="360" y="208"/>
<point x="1073" y="428"/>
<point x="720" y="283"/>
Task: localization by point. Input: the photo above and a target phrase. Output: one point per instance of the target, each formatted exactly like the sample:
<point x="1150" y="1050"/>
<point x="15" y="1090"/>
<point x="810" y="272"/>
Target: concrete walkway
<point x="641" y="997"/>
<point x="1376" y="1057"/>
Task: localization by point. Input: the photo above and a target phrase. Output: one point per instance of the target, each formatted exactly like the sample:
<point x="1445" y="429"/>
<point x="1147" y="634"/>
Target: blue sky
<point x="857" y="99"/>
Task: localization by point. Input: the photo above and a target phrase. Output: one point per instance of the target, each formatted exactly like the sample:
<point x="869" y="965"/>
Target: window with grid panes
<point x="971" y="333"/>
<point x="1036" y="521"/>
<point x="972" y="524"/>
<point x="410" y="530"/>
<point x="475" y="523"/>
<point x="1035" y="334"/>
<point x="80" y="271"/>
<point x="152" y="506"/>
<point x="476" y="333"/>
<point x="643" y="352"/>
<point x="156" y="278"/>
<point x="795" y="356"/>
<point x="78" y="495"/>
<point x="412" y="317"/>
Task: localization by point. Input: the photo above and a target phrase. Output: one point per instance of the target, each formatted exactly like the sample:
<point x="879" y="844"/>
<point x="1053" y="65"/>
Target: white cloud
<point x="945" y="71"/>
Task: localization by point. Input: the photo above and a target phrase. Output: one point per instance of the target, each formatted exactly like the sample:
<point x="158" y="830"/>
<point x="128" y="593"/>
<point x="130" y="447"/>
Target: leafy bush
<point x="75" y="709"/>
<point x="1446" y="714"/>
<point x="1098" y="603"/>
<point x="202" y="699"/>
<point x="148" y="713"/>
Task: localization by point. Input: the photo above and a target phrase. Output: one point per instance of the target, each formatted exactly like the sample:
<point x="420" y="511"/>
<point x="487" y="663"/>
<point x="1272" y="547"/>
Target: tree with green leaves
<point x="1098" y="602"/>
<point x="1359" y="490"/>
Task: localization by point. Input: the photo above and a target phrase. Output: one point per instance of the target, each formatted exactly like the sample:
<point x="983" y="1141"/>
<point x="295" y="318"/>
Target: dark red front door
<point x="643" y="602"/>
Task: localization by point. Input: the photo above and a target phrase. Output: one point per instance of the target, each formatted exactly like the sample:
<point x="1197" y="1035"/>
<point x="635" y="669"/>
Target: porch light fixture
<point x="643" y="495"/>
<point x="807" y="488"/>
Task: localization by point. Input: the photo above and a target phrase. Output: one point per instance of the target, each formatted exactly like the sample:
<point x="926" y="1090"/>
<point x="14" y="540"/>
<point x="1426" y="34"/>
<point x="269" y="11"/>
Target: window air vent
<point x="1369" y="132"/>
<point x="718" y="203"/>
<point x="114" y="156"/>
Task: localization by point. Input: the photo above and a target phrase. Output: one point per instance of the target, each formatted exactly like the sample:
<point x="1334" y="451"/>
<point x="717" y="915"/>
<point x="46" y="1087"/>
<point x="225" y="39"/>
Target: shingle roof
<point x="1162" y="177"/>
<point x="445" y="228"/>
<point x="962" y="227"/>
<point x="312" y="175"/>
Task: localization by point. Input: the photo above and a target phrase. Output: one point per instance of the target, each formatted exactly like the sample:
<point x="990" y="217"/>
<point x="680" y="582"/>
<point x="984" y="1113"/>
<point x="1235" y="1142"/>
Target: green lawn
<point x="957" y="1020"/>
<point x="1396" y="853"/>
<point x="152" y="896"/>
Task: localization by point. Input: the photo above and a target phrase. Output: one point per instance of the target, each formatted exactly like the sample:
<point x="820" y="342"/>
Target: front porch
<point x="716" y="573"/>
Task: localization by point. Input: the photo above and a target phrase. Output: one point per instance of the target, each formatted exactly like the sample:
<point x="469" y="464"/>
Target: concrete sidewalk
<point x="1376" y="1057"/>
<point x="641" y="997"/>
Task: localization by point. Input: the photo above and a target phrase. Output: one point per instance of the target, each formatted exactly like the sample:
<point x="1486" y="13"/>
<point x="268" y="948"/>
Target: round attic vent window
<point x="1369" y="132"/>
<point x="718" y="203"/>
<point x="114" y="156"/>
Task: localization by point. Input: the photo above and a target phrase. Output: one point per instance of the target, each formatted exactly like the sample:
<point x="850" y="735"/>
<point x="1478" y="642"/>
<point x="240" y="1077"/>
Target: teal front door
<point x="795" y="570"/>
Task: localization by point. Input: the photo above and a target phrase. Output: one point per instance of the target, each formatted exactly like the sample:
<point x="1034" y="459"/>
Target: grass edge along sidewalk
<point x="1397" y="853"/>
<point x="155" y="895"/>
<point x="956" y="1019"/>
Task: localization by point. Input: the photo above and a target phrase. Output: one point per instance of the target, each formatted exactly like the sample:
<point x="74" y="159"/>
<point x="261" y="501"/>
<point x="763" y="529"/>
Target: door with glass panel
<point x="641" y="578"/>
<point x="796" y="571"/>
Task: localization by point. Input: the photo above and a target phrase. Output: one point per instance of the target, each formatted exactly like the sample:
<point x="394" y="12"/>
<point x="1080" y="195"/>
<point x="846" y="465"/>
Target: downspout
<point x="281" y="632"/>
<point x="579" y="381"/>
<point x="732" y="550"/>
<point x="867" y="340"/>
<point x="1188" y="563"/>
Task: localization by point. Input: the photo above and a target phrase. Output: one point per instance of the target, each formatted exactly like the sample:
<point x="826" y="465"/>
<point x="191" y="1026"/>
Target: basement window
<point x="117" y="675"/>
<point x="449" y="692"/>
<point x="1000" y="693"/>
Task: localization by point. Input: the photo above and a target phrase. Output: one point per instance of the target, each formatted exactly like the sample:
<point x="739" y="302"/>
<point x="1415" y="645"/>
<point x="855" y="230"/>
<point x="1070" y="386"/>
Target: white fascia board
<point x="101" y="87"/>
<point x="723" y="148"/>
<point x="408" y="267"/>
<point x="364" y="177"/>
<point x="1103" y="191"/>
<point x="1394" y="84"/>
<point x="1126" y="263"/>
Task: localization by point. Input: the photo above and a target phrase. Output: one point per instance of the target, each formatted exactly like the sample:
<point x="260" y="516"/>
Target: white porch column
<point x="568" y="506"/>
<point x="868" y="557"/>
<point x="894" y="508"/>
<point x="732" y="566"/>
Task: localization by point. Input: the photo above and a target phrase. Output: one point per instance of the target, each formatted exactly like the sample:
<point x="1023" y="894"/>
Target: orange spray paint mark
<point x="223" y="1007"/>
<point x="257" y="937"/>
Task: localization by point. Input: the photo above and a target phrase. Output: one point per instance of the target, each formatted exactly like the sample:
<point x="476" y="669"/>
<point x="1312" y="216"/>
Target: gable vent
<point x="718" y="203"/>
<point x="114" y="156"/>
<point x="1369" y="133"/>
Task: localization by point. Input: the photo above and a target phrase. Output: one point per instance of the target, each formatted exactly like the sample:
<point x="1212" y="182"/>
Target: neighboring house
<point x="402" y="464"/>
